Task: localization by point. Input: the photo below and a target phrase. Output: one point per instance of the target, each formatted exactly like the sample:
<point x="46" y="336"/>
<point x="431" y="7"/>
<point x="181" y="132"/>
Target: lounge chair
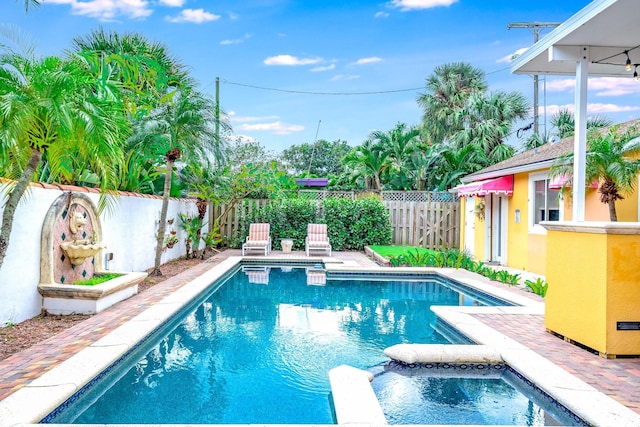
<point x="258" y="238"/>
<point x="317" y="239"/>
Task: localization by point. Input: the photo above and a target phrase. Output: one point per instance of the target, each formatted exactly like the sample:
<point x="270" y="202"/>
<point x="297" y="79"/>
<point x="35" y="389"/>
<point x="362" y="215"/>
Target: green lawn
<point x="389" y="251"/>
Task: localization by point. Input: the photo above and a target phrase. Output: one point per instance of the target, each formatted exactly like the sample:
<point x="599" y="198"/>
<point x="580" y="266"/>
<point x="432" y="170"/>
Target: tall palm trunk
<point x="12" y="202"/>
<point x="202" y="213"/>
<point x="609" y="194"/>
<point x="162" y="226"/>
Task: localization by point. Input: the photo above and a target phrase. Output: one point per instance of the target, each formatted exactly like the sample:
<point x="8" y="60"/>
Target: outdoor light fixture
<point x="628" y="63"/>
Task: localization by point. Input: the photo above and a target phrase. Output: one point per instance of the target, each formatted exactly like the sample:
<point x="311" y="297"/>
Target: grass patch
<point x="97" y="279"/>
<point x="389" y="251"/>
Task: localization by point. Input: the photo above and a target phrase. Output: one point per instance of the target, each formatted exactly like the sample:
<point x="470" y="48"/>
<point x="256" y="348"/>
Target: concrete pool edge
<point x="582" y="399"/>
<point x="44" y="394"/>
<point x="49" y="391"/>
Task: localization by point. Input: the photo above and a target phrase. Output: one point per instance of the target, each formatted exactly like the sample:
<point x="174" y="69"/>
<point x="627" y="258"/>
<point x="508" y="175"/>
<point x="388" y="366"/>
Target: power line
<point x="303" y="92"/>
<point x="320" y="93"/>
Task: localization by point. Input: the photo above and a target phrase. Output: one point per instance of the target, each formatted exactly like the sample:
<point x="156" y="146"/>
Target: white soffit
<point x="606" y="27"/>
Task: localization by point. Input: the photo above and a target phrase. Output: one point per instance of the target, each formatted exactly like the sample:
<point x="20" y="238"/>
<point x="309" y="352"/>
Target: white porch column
<point x="580" y="135"/>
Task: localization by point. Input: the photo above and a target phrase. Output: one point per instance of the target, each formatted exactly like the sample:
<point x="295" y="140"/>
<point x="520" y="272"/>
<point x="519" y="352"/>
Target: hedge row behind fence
<point x="351" y="224"/>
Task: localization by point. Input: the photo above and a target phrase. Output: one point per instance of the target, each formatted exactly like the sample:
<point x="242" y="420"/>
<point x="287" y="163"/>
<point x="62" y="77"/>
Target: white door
<point x="469" y="224"/>
<point x="497" y="238"/>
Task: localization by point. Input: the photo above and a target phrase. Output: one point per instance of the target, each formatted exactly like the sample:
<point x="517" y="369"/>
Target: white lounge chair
<point x="317" y="239"/>
<point x="258" y="238"/>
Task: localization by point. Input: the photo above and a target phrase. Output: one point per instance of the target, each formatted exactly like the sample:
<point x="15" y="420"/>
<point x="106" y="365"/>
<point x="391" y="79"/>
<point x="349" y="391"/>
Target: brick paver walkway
<point x="618" y="378"/>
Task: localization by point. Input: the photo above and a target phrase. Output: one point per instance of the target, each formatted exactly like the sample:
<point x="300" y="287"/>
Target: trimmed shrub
<point x="353" y="224"/>
<point x="288" y="219"/>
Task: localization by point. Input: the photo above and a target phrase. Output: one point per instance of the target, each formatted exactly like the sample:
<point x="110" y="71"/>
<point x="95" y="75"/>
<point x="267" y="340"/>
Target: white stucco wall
<point x="128" y="231"/>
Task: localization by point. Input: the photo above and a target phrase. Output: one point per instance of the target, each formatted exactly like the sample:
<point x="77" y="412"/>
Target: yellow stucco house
<point x="502" y="206"/>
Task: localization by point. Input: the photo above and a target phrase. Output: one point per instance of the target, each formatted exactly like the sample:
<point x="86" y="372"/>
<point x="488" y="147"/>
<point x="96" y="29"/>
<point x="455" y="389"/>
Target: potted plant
<point x="170" y="240"/>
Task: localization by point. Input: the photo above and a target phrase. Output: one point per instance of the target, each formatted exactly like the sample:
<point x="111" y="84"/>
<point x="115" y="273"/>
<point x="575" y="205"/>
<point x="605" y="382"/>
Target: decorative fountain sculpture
<point x="79" y="249"/>
<point x="70" y="251"/>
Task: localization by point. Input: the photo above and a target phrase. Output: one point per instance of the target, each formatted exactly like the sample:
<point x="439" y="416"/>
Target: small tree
<point x="609" y="163"/>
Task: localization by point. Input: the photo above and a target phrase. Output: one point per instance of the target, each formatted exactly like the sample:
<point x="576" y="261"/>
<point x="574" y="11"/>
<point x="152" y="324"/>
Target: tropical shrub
<point x="288" y="218"/>
<point x="354" y="224"/>
<point x="538" y="286"/>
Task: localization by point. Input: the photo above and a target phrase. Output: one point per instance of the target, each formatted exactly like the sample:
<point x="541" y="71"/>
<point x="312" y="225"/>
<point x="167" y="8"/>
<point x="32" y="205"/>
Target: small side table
<point x="287" y="244"/>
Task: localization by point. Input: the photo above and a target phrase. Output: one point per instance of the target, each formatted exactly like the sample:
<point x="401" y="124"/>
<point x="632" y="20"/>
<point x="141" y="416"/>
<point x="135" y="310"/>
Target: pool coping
<point x="37" y="399"/>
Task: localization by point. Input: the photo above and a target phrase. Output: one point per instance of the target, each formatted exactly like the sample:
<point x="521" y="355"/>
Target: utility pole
<point x="536" y="26"/>
<point x="217" y="110"/>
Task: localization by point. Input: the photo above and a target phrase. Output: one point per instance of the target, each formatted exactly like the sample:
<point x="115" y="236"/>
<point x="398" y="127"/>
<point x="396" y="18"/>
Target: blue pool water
<point x="464" y="394"/>
<point x="253" y="352"/>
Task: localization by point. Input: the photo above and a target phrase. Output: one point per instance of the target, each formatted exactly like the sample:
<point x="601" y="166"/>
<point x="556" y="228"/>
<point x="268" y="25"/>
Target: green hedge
<point x="351" y="224"/>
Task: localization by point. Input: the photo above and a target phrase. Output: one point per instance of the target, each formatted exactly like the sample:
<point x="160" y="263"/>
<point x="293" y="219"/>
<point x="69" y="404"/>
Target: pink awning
<point x="502" y="185"/>
<point x="557" y="182"/>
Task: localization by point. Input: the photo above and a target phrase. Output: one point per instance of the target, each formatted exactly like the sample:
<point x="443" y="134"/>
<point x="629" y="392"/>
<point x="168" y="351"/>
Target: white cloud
<point x="243" y="119"/>
<point x="290" y="60"/>
<point x="561" y="85"/>
<point x="513" y="55"/>
<point x="381" y="15"/>
<point x="277" y="128"/>
<point x="173" y="3"/>
<point x="344" y="77"/>
<point x="406" y="5"/>
<point x="196" y="16"/>
<point x="107" y="10"/>
<point x="370" y="60"/>
<point x="236" y="41"/>
<point x="325" y="68"/>
<point x="602" y="86"/>
<point x="592" y="108"/>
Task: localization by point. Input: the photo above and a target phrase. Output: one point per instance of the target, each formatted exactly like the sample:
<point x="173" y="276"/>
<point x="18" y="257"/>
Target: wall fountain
<point x="71" y="251"/>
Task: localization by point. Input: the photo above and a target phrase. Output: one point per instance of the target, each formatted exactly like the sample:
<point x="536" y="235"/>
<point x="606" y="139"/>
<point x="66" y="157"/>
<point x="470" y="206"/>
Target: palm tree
<point x="169" y="116"/>
<point x="423" y="162"/>
<point x="147" y="72"/>
<point x="607" y="161"/>
<point x="183" y="127"/>
<point x="368" y="161"/>
<point x="51" y="105"/>
<point x="448" y="88"/>
<point x="399" y="143"/>
<point x="456" y="162"/>
<point x="488" y="119"/>
<point x="565" y="123"/>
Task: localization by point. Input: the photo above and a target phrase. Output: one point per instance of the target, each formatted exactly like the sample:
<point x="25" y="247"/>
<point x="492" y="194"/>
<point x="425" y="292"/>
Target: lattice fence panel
<point x="419" y="196"/>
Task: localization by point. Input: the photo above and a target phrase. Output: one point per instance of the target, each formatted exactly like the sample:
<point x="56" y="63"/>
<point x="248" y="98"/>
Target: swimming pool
<point x="257" y="346"/>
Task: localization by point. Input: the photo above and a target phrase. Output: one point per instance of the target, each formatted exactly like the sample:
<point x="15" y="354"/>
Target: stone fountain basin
<point x="78" y="250"/>
<point x="68" y="299"/>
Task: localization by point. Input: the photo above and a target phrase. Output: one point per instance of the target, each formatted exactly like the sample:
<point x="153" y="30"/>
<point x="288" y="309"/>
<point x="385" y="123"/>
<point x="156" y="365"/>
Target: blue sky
<point x="340" y="69"/>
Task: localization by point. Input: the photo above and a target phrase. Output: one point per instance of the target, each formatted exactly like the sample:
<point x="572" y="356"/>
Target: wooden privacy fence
<point x="418" y="218"/>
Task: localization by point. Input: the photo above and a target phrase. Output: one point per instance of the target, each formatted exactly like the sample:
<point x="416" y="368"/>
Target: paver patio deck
<point x="617" y="378"/>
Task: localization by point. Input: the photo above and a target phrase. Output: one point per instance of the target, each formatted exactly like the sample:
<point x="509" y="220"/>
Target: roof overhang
<point x="602" y="30"/>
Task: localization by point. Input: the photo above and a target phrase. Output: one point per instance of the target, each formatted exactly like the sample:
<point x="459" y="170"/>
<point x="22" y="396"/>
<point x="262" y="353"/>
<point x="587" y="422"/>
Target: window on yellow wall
<point x="546" y="204"/>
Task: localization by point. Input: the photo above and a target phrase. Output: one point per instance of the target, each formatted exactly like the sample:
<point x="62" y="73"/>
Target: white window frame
<point x="537" y="228"/>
